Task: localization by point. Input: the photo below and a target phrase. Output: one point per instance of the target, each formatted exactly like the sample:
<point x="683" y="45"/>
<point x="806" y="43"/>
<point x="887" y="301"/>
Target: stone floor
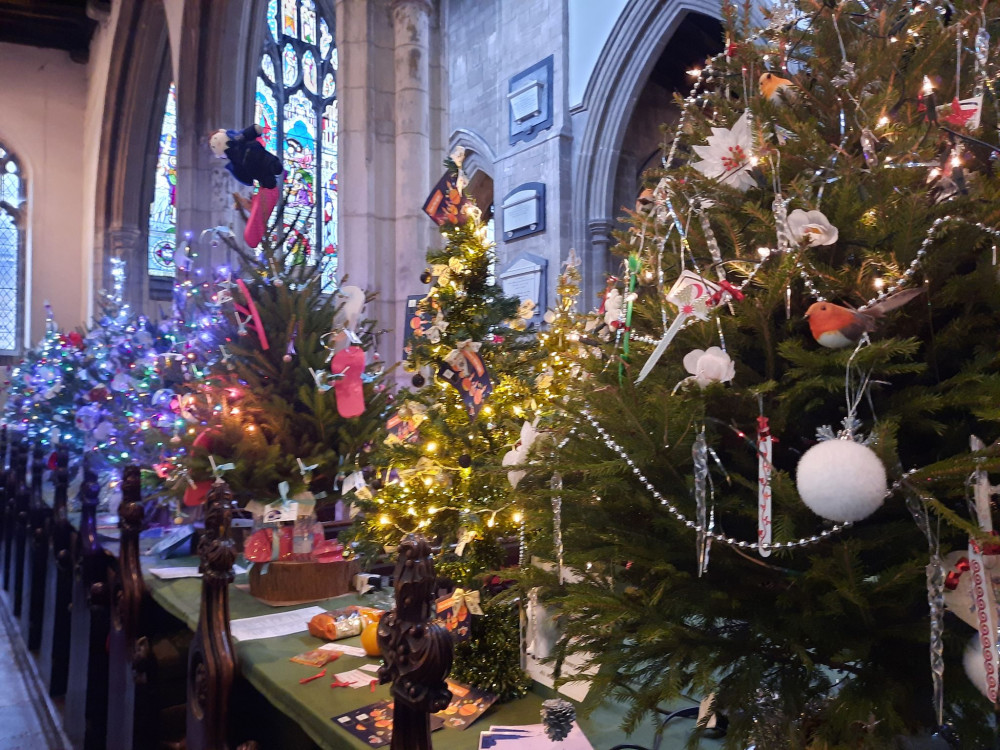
<point x="26" y="715"/>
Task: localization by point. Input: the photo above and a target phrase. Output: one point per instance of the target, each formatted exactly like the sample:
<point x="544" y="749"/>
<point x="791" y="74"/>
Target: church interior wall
<point x="42" y="121"/>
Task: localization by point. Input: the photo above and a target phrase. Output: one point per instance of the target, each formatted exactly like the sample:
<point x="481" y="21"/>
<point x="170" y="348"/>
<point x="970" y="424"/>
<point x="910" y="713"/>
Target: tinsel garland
<point x="491" y="658"/>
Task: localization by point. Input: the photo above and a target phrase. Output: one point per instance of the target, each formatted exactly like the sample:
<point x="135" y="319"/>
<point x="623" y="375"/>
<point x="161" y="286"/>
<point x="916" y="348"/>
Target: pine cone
<point x="557" y="718"/>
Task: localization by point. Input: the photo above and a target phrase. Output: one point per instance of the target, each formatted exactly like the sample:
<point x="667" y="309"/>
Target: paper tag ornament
<point x="764" y="467"/>
<point x="348" y="366"/>
<point x="463" y="368"/>
<point x="693" y="296"/>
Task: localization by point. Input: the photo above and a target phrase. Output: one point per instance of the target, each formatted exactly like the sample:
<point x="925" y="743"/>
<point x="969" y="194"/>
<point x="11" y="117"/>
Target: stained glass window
<point x="163" y="211"/>
<point x="299" y="117"/>
<point x="12" y="238"/>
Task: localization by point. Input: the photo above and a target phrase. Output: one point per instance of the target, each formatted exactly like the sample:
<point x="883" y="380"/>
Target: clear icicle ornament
<point x="868" y="146"/>
<point x="556" y="484"/>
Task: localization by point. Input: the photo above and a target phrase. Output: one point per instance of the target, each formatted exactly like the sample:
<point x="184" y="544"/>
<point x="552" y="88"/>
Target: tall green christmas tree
<point x="483" y="393"/>
<point x="770" y="495"/>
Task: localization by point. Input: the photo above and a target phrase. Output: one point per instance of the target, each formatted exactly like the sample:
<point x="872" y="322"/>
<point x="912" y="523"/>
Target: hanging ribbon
<point x="468" y="599"/>
<point x="763" y="487"/>
<point x="306" y="471"/>
<point x="249" y="316"/>
<point x="953" y="578"/>
<point x="633" y="272"/>
<point x="219" y="469"/>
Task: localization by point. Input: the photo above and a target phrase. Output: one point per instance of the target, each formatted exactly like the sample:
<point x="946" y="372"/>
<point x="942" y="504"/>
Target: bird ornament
<point x="773" y="87"/>
<point x="837" y="327"/>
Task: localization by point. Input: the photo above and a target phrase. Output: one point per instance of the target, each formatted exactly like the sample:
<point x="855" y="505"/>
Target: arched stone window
<point x="162" y="230"/>
<point x="13" y="238"/>
<point x="296" y="104"/>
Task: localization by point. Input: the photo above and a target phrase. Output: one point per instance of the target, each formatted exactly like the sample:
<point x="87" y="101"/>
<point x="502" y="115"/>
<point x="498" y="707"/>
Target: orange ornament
<point x="369" y="639"/>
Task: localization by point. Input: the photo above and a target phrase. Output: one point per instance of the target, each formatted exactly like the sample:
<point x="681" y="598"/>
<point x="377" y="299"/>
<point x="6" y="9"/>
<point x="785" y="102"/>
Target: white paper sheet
<point x="358" y="678"/>
<point x="531" y="737"/>
<point x="272" y="626"/>
<point x="186" y="572"/>
<point x="345" y="650"/>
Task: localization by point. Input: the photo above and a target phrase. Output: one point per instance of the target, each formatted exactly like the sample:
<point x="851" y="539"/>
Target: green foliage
<point x="826" y="645"/>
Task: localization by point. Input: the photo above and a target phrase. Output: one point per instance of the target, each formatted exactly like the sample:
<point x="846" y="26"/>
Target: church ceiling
<point x="56" y="24"/>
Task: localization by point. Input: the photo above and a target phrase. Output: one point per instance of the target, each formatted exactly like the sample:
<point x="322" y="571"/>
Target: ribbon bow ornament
<point x="306" y="471"/>
<point x="436" y="328"/>
<point x="281" y="510"/>
<point x="424" y="468"/>
<point x="694" y="297"/>
<point x="321" y="378"/>
<point x="468" y="599"/>
<point x="464" y="357"/>
<point x="219" y="469"/>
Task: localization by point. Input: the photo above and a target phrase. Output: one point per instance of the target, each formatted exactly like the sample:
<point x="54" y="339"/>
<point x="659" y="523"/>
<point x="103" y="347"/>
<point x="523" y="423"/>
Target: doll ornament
<point x="250" y="162"/>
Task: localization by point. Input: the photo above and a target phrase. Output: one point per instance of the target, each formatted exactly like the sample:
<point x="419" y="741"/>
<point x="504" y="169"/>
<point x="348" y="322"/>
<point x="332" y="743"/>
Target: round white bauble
<point x="975" y="669"/>
<point x="841" y="480"/>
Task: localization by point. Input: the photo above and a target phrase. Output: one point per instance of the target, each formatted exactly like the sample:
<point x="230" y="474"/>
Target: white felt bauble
<point x="841" y="480"/>
<point x="975" y="668"/>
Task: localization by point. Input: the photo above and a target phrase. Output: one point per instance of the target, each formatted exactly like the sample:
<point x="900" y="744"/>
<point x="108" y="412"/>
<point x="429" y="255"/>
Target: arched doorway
<point x="627" y="99"/>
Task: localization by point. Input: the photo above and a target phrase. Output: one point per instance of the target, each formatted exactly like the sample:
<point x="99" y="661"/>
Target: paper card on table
<point x="373" y="724"/>
<point x="370" y="667"/>
<point x="167" y="574"/>
<point x="355" y="677"/>
<point x="467" y="704"/>
<point x="356" y="651"/>
<point x="532" y="737"/>
<point x="272" y="626"/>
<point x="191" y="571"/>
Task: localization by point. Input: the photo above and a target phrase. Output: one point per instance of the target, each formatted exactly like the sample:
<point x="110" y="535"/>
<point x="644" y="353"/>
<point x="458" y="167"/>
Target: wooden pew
<point x="86" y="714"/>
<point x="36" y="555"/>
<point x="53" y="659"/>
<point x="147" y="648"/>
<point x="22" y="498"/>
<point x="212" y="660"/>
<point x="10" y="513"/>
<point x="3" y="504"/>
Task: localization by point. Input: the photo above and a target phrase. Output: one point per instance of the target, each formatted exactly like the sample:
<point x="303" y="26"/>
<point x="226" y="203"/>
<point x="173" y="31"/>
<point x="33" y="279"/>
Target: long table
<point x="265" y="665"/>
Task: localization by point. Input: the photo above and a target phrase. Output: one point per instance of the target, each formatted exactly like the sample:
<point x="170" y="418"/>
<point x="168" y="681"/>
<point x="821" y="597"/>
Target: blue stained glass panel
<point x="335" y="59"/>
<point x="272" y="18"/>
<point x="300" y="172"/>
<point x="162" y="210"/>
<point x="329" y="86"/>
<point x="309" y="73"/>
<point x="325" y="39"/>
<point x="266" y="115"/>
<point x="330" y="198"/>
<point x="307" y="13"/>
<point x="290" y="67"/>
<point x="267" y="67"/>
<point x="10" y="184"/>
<point x="289" y="18"/>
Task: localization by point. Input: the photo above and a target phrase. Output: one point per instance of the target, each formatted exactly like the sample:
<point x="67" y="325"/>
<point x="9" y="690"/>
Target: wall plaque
<point x="523" y="211"/>
<point x="529" y="95"/>
<point x="525" y="278"/>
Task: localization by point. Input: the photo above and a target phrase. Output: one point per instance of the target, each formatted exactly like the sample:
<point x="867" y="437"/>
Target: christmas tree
<point x="771" y="491"/>
<point x="296" y="392"/>
<point x="484" y="394"/>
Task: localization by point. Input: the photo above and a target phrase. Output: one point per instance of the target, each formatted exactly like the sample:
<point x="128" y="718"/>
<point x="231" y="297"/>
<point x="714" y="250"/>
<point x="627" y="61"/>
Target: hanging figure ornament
<point x="250" y="162"/>
<point x="837" y="327"/>
<point x="776" y="89"/>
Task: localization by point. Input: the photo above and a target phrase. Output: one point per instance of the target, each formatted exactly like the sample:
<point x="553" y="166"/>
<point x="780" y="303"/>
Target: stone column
<point x="596" y="260"/>
<point x="411" y="32"/>
<point x="129" y="244"/>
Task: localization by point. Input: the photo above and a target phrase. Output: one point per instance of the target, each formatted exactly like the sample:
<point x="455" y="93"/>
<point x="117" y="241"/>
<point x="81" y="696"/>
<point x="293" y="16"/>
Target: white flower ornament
<point x="811" y="227"/>
<point x="726" y="157"/>
<point x="709" y="366"/>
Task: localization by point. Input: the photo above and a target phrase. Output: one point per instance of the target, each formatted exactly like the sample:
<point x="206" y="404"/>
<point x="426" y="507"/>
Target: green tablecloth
<point x="265" y="664"/>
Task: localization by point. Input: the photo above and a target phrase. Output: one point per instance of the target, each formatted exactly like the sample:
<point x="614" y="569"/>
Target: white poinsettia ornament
<point x="709" y="366"/>
<point x="811" y="227"/>
<point x="726" y="157"/>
